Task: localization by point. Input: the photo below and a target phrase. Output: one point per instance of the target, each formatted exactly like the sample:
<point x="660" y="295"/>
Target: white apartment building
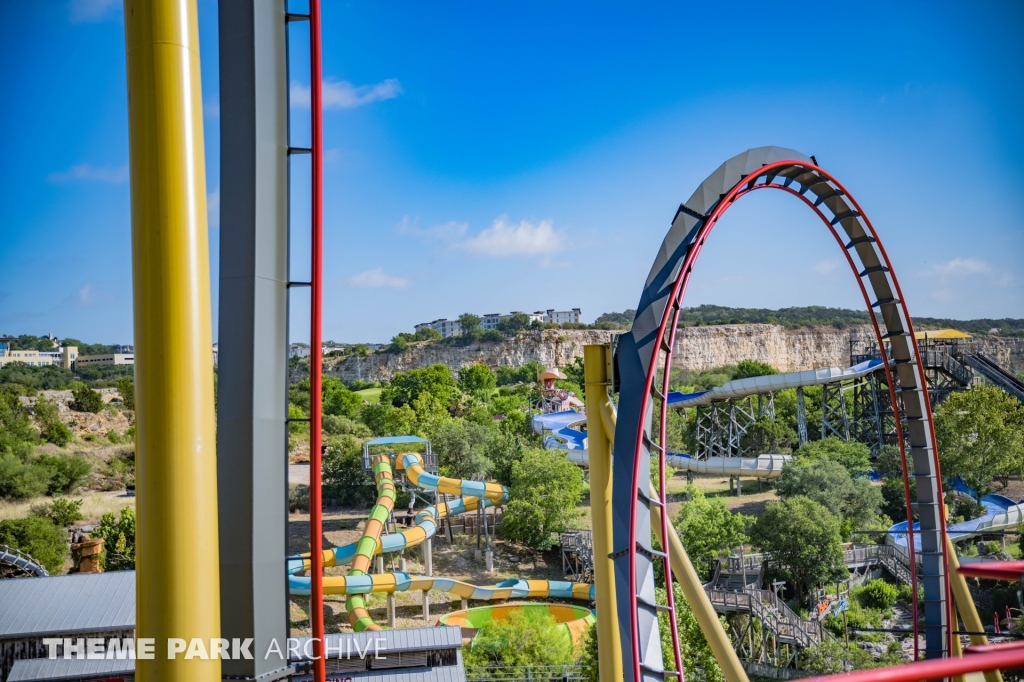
<point x="491" y="320"/>
<point x="63" y="357"/>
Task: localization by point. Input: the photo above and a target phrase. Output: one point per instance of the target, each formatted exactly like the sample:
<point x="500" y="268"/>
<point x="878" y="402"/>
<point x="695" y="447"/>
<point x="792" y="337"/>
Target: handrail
<point x="14" y="557"/>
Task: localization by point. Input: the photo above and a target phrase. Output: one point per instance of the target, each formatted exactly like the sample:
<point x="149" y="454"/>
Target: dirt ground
<point x="451" y="560"/>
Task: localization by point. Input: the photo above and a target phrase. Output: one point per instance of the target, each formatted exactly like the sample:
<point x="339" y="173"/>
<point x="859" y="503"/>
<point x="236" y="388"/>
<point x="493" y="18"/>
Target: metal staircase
<point x="996" y="374"/>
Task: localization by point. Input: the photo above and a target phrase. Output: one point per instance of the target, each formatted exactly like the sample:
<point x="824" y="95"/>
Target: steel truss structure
<point x="643" y="358"/>
<point x="720" y="426"/>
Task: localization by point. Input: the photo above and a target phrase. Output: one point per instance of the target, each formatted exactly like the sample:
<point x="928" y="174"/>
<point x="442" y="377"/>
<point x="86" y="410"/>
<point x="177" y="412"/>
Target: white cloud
<point x="503" y="238"/>
<point x="377" y="279"/>
<point x="85" y="171"/>
<point x="344" y="95"/>
<point x="963" y="266"/>
<point x="83" y="11"/>
<point x="959" y="268"/>
<point x="827" y="267"/>
<point x="448" y="231"/>
<point x="213" y="209"/>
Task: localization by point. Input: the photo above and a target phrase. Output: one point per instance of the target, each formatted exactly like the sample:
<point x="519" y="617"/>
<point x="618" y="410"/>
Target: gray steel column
<point x="252" y="386"/>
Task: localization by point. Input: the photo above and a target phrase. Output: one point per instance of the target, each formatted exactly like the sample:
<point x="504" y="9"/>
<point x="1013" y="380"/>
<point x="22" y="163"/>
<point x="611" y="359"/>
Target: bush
<point x="360" y="385"/>
<point x="477" y="377"/>
<point x="708" y="529"/>
<point x="51" y="428"/>
<point x="855" y="457"/>
<point x="61" y="511"/>
<point x="15" y="426"/>
<point x="38" y="537"/>
<point x="524" y="374"/>
<point x="67" y="472"/>
<point x="85" y="399"/>
<point x="118" y="540"/>
<point x="344" y="480"/>
<point x="543" y="497"/>
<point x="126" y="387"/>
<point x="336" y="425"/>
<point x="878" y="594"/>
<point x="21" y="480"/>
<point x="526" y="638"/>
<point x="298" y="499"/>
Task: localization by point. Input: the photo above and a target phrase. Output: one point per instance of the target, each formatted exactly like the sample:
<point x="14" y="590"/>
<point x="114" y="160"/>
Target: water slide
<point x="19" y="562"/>
<point x="567" y="430"/>
<point x="359" y="582"/>
<point x="1001" y="513"/>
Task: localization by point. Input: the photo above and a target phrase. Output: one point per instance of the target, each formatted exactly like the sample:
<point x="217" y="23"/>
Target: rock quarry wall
<point x="697" y="348"/>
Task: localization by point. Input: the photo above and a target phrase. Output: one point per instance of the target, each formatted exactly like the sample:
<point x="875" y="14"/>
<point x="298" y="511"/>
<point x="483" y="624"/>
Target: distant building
<point x="446" y="327"/>
<point x="491" y="320"/>
<point x="106" y="359"/>
<point x="64" y="357"/>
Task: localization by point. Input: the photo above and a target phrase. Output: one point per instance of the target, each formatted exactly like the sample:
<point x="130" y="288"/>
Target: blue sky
<point x="501" y="156"/>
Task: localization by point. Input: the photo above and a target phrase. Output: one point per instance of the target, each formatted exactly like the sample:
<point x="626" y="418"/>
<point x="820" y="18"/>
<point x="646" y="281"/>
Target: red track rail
<point x="667" y="333"/>
<point x="316" y="345"/>
<point x="995" y="570"/>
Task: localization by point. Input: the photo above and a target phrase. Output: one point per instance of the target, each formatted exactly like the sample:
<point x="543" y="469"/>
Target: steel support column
<point x="252" y="389"/>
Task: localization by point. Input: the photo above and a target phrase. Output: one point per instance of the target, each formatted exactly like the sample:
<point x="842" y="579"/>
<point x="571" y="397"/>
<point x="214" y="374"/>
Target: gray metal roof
<point x="412" y="639"/>
<point x="66" y="604"/>
<point x="34" y="669"/>
<point x="440" y="673"/>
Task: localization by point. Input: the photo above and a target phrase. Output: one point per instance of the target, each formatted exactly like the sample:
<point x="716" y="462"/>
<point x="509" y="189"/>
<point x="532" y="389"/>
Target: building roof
<point x="440" y="673"/>
<point x="37" y="669"/>
<point x="394" y="440"/>
<point x="66" y="604"/>
<point x="411" y="639"/>
<point x="941" y="334"/>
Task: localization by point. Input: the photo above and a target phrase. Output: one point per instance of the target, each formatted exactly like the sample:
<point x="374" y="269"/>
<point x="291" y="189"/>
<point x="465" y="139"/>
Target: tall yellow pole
<point x="177" y="582"/>
<point x="609" y="651"/>
<point x="703" y="611"/>
<point x="965" y="605"/>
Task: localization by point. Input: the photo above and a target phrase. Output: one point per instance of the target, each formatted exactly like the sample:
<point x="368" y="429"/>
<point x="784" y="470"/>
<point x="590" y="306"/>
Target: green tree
<point x="431" y="415"/>
<point x="504" y="449"/>
<point x="469" y="323"/>
<point x="752" y="368"/>
<point x="699" y="663"/>
<point x="981" y="436"/>
<point x="51" y="428"/>
<point x="62" y="511"/>
<point x="889" y="464"/>
<point x="118" y="540"/>
<point x="15" y="425"/>
<point x="338" y="399"/>
<point x="398" y="344"/>
<point x="21" y="480"/>
<point x="589" y="668"/>
<point x="477" y="378"/>
<point x="708" y="529"/>
<point x="38" y="537"/>
<point x="126" y="387"/>
<point x="767" y="435"/>
<point x="894" y="499"/>
<point x="67" y="472"/>
<point x="802" y="541"/>
<point x="85" y="399"/>
<point x="528" y="637"/>
<point x="856" y="457"/>
<point x="407" y="386"/>
<point x="515" y="323"/>
<point x="829" y="484"/>
<point x="524" y="374"/>
<point x="427" y="334"/>
<point x="460" y="447"/>
<point x="45" y="378"/>
<point x="343" y="477"/>
<point x="545" y="491"/>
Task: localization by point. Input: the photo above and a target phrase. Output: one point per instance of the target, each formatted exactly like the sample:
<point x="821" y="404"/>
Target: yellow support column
<point x="177" y="582"/>
<point x="609" y="651"/>
<point x="965" y="605"/>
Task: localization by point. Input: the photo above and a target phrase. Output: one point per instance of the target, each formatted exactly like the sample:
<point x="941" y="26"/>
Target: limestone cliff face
<point x="697" y="348"/>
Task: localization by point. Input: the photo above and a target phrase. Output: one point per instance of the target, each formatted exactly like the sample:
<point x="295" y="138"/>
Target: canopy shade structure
<point x="940" y="334"/>
<point x="396" y="440"/>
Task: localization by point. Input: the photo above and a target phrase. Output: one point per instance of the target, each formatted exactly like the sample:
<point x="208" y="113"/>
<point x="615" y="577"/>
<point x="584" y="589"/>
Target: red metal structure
<point x="649" y="349"/>
<point x="316" y="345"/>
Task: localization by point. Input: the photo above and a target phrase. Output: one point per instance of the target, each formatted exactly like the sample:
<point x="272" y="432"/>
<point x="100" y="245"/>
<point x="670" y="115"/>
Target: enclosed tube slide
<point x="741" y="388"/>
<point x="359" y="582"/>
<point x="762" y="466"/>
